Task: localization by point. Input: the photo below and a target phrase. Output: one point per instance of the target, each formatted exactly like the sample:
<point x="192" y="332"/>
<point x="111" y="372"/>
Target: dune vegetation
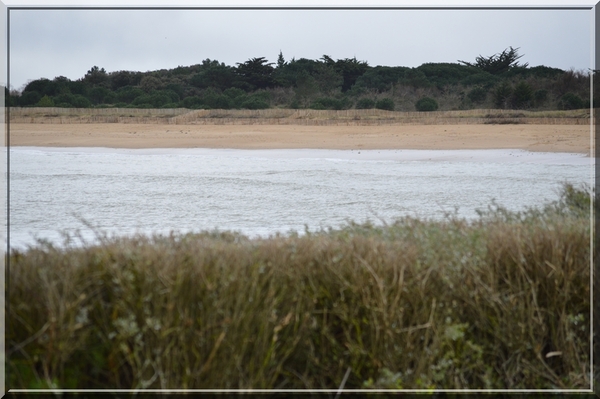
<point x="499" y="302"/>
<point x="498" y="81"/>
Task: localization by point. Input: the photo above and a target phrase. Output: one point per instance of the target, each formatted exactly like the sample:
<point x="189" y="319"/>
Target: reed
<point x="501" y="302"/>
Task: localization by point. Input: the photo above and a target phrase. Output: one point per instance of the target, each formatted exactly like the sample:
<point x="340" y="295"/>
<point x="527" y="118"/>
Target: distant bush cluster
<point x="498" y="81"/>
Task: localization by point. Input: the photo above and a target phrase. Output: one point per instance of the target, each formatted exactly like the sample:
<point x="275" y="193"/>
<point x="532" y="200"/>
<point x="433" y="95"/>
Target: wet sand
<point x="540" y="138"/>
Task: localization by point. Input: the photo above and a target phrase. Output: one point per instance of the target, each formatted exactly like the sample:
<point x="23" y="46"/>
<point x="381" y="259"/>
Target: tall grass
<point x="502" y="302"/>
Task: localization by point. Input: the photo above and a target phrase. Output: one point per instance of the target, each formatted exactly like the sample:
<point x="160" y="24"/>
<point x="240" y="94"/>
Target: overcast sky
<point x="50" y="43"/>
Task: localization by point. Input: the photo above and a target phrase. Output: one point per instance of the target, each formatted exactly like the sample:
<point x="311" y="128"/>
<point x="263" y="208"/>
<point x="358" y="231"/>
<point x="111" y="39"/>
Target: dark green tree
<point x="306" y="87"/>
<point x="502" y="95"/>
<point x="280" y="60"/>
<point x="381" y="78"/>
<point x="95" y="76"/>
<point x="213" y="74"/>
<point x="256" y="73"/>
<point x="351" y="69"/>
<point x="498" y="63"/>
<point x="522" y="96"/>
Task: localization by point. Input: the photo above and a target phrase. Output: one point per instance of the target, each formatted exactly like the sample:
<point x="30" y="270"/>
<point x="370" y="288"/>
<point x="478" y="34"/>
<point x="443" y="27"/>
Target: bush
<point x="571" y="101"/>
<point x="331" y="103"/>
<point x="522" y="96"/>
<point x="192" y="102"/>
<point x="540" y="96"/>
<point x="385" y="104"/>
<point x="477" y="95"/>
<point x="502" y="95"/>
<point x="45" y="102"/>
<point x="365" y="103"/>
<point x="484" y="79"/>
<point x="426" y="104"/>
<point x="80" y="101"/>
<point x="254" y="103"/>
<point x="30" y="98"/>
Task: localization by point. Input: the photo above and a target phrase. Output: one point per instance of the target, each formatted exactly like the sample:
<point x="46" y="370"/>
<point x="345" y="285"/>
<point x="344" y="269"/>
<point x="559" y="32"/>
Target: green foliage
<point x="124" y="78"/>
<point x="127" y="94"/>
<point x="95" y="76"/>
<point x="442" y="74"/>
<point x="381" y="78"/>
<point x="502" y="95"/>
<point x="280" y="60"/>
<point x="306" y="87"/>
<point x="98" y="94"/>
<point x="426" y="104"/>
<point x="365" y="103"/>
<point x="256" y="73"/>
<point x="214" y="100"/>
<point x="540" y="97"/>
<point x="41" y="86"/>
<point x="415" y="78"/>
<point x="477" y="95"/>
<point x="192" y="102"/>
<point x="45" y="102"/>
<point x="483" y="79"/>
<point x="331" y="103"/>
<point x="498" y="63"/>
<point x="29" y="98"/>
<point x="213" y="74"/>
<point x="522" y="96"/>
<point x="259" y="100"/>
<point x="327" y="78"/>
<point x="319" y="84"/>
<point x="571" y="101"/>
<point x="385" y="104"/>
<point x="351" y="69"/>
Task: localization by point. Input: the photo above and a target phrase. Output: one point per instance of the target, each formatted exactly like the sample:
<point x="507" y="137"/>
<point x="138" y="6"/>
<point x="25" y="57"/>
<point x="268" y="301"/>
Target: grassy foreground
<point x="502" y="302"/>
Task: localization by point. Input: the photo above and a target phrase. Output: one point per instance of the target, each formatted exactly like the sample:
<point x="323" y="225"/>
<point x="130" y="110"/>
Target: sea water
<point x="262" y="192"/>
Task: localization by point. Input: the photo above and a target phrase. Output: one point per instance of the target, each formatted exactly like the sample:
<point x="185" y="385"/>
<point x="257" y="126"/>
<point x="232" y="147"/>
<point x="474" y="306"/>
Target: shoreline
<point x="530" y="137"/>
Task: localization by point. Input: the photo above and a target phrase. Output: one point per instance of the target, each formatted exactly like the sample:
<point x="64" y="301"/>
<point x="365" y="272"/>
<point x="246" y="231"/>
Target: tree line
<point x="497" y="81"/>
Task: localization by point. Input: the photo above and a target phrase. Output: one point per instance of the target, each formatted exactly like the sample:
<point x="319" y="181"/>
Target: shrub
<point x="331" y="103"/>
<point x="80" y="101"/>
<point x="365" y="103"/>
<point x="254" y="103"/>
<point x="385" y="104"/>
<point x="570" y="101"/>
<point x="192" y="102"/>
<point x="502" y="95"/>
<point x="477" y="95"/>
<point x="540" y="96"/>
<point x="45" y="102"/>
<point x="30" y="98"/>
<point x="522" y="96"/>
<point x="426" y="104"/>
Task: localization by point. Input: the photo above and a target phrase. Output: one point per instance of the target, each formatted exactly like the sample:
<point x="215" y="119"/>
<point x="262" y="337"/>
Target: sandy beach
<point x="545" y="138"/>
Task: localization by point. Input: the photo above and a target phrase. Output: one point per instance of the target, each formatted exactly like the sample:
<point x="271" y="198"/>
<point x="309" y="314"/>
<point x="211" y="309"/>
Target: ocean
<point x="262" y="192"/>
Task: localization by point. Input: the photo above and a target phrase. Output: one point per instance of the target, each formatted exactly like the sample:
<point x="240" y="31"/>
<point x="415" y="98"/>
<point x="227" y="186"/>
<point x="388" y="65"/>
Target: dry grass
<point x="502" y="302"/>
<point x="279" y="116"/>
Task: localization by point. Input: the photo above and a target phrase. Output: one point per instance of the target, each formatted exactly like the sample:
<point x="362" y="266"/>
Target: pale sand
<point x="545" y="138"/>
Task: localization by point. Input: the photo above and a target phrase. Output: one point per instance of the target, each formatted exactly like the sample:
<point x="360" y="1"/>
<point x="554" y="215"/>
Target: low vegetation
<point x="500" y="302"/>
<point x="497" y="81"/>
